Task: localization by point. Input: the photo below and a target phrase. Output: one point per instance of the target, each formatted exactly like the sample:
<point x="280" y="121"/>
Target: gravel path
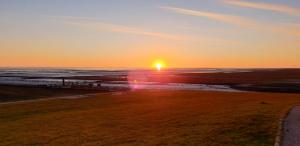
<point x="291" y="134"/>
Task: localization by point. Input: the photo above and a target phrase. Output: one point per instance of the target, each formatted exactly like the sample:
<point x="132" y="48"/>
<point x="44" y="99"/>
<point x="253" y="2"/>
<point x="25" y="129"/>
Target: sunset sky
<point x="135" y="33"/>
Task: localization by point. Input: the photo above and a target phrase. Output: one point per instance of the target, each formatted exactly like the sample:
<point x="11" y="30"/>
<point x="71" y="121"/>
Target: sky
<point x="135" y="33"/>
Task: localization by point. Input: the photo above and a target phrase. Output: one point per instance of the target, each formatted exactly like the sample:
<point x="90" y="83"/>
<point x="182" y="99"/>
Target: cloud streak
<point x="94" y="24"/>
<point x="243" y="22"/>
<point x="231" y="19"/>
<point x="102" y="26"/>
<point x="265" y="6"/>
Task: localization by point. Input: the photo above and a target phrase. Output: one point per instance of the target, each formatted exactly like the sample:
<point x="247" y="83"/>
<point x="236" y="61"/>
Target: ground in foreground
<point x="20" y="93"/>
<point x="157" y="117"/>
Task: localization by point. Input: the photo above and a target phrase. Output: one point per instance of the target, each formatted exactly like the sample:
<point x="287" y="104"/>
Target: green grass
<point x="153" y="117"/>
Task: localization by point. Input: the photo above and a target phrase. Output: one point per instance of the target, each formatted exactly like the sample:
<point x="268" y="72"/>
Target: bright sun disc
<point x="158" y="66"/>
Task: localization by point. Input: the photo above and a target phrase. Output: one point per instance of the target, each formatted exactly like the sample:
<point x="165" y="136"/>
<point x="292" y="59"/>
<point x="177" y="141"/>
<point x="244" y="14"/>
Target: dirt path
<point x="51" y="98"/>
<point x="291" y="134"/>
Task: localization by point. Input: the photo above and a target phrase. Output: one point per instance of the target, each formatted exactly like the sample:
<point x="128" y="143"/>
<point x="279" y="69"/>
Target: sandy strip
<point x="291" y="133"/>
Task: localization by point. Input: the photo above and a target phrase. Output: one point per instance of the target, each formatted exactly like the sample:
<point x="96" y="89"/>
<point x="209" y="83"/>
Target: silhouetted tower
<point x="63" y="81"/>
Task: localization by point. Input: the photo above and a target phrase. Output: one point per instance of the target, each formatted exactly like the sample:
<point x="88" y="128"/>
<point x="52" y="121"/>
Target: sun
<point x="158" y="64"/>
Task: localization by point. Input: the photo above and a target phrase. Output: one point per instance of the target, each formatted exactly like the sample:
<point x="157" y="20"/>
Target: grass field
<point x="156" y="117"/>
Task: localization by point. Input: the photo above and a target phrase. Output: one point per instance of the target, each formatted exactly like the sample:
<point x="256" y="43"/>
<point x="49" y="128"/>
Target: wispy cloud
<point x="265" y="6"/>
<point x="231" y="19"/>
<point x="94" y="24"/>
<point x="243" y="22"/>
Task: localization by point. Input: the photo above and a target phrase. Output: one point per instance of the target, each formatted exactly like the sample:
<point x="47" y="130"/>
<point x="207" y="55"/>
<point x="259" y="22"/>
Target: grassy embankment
<point x="158" y="117"/>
